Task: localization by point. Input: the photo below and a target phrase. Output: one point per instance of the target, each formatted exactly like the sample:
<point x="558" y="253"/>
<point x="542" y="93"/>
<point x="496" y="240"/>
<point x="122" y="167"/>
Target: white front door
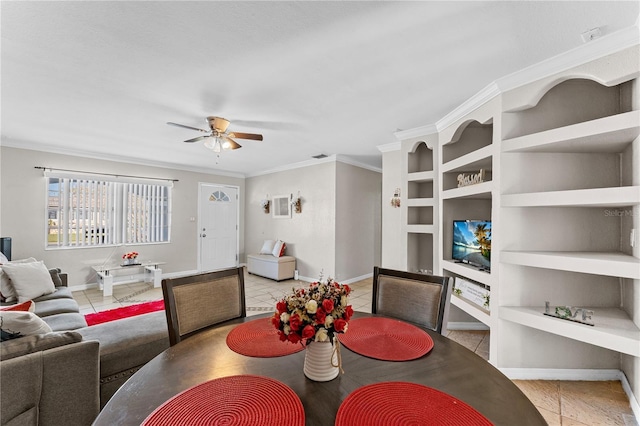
<point x="217" y="227"/>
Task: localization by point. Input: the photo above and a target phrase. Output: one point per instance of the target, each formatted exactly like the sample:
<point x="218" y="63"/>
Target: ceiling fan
<point x="218" y="138"/>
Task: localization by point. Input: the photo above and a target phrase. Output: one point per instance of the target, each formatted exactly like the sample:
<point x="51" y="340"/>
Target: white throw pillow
<point x="6" y="287"/>
<point x="267" y="247"/>
<point x="25" y="323"/>
<point x="29" y="280"/>
<point x="278" y="248"/>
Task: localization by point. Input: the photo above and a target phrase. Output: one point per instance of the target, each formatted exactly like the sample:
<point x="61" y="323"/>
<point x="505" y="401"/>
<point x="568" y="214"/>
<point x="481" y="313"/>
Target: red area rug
<point x="124" y="312"/>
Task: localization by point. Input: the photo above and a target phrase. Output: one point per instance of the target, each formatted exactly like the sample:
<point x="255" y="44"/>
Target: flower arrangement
<point x="317" y="313"/>
<point x="130" y="255"/>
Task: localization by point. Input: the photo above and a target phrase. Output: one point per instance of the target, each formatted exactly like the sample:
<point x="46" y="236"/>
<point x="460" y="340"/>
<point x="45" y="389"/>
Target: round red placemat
<point x="404" y="403"/>
<point x="233" y="400"/>
<point x="386" y="339"/>
<point x="259" y="338"/>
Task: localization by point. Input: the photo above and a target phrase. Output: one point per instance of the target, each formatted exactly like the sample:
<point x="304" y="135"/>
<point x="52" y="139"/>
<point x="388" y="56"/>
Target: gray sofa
<point x="124" y="345"/>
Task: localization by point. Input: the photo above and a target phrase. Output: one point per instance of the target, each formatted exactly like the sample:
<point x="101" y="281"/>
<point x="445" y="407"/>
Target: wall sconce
<point x="395" y="200"/>
<point x="265" y="204"/>
<point x="296" y="203"/>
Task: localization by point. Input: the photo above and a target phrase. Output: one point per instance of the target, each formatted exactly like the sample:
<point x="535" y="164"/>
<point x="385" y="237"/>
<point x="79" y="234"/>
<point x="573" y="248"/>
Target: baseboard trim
<point x="472" y="326"/>
<point x="577" y="375"/>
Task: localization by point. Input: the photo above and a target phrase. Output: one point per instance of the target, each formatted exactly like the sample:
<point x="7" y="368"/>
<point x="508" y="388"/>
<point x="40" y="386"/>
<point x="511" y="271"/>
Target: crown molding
<point x="348" y="160"/>
<point x="390" y="147"/>
<point x="416" y="132"/>
<point x="595" y="49"/>
<point x="119" y="159"/>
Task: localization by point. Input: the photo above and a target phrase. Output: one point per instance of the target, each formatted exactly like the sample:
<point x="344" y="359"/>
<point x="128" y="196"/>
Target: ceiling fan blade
<point x="187" y="127"/>
<point x="230" y="143"/>
<point x="199" y="138"/>
<point x="251" y="136"/>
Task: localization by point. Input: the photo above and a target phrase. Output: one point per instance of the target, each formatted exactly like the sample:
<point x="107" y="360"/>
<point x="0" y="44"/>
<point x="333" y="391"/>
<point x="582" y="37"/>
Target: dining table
<point x="447" y="368"/>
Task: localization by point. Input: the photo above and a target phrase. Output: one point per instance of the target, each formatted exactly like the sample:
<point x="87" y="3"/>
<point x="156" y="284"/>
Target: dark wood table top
<point x="449" y="367"/>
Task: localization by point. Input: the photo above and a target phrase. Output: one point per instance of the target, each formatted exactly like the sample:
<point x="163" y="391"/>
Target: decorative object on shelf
<point x="313" y="317"/>
<point x="296" y="203"/>
<point x="130" y="258"/>
<point x="265" y="203"/>
<point x="466" y="179"/>
<point x="395" y="200"/>
<point x="570" y="313"/>
<point x="473" y="292"/>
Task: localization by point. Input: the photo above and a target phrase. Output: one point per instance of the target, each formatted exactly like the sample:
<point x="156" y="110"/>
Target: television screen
<point x="472" y="242"/>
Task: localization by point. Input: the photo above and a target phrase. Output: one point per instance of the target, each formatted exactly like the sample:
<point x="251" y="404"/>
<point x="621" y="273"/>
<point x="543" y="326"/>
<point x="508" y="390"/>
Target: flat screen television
<point x="472" y="243"/>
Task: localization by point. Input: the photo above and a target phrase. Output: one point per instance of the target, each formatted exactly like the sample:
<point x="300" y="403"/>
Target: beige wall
<point x="394" y="254"/>
<point x="22" y="210"/>
<point x="310" y="235"/>
<point x="338" y="230"/>
<point x="358" y="221"/>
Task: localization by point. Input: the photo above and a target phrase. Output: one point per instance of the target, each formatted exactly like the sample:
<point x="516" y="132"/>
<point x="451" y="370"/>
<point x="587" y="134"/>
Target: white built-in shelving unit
<point x="561" y="156"/>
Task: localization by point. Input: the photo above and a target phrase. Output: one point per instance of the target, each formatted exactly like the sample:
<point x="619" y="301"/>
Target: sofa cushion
<point x="29" y="280"/>
<point x="129" y="342"/>
<point x="65" y="321"/>
<point x="19" y="323"/>
<point x="46" y="308"/>
<point x="6" y="287"/>
<point x="267" y="247"/>
<point x="59" y="293"/>
<point x="38" y="342"/>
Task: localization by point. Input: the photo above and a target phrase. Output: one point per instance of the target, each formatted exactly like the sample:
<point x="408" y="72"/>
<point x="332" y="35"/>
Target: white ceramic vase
<point x="319" y="361"/>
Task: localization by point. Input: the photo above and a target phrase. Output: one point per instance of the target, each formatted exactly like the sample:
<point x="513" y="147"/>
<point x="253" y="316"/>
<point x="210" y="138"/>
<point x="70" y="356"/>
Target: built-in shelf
<point x="598" y="263"/>
<point x="421" y="229"/>
<point x="608" y="134"/>
<point x="613" y="328"/>
<point x="471" y="309"/>
<point x="596" y="197"/>
<point x="480" y="190"/>
<point x="421" y="176"/>
<point x="420" y="202"/>
<point x="468" y="271"/>
<point x="479" y="159"/>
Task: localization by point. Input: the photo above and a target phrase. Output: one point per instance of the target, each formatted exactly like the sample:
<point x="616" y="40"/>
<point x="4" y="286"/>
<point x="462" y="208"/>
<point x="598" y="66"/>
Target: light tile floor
<point x="562" y="403"/>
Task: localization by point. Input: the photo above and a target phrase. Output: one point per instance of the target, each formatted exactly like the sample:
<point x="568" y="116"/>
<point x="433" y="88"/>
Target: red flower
<point x="295" y="322"/>
<point x="327" y="305"/>
<point x="321" y="315"/>
<point x="281" y="306"/>
<point x="293" y="338"/>
<point x="282" y="336"/>
<point x="347" y="289"/>
<point x="348" y="312"/>
<point x="308" y="332"/>
<point x="339" y="325"/>
<point x="275" y="320"/>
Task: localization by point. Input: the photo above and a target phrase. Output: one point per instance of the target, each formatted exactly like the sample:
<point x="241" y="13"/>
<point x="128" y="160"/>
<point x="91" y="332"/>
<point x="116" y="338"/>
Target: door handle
<point x="203" y="235"/>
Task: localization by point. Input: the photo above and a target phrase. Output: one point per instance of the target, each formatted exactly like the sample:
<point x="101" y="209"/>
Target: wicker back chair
<point x="418" y="298"/>
<point x="196" y="302"/>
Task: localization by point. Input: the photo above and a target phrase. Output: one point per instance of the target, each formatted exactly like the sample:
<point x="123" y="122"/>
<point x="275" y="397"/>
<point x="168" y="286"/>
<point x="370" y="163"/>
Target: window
<point x="84" y="212"/>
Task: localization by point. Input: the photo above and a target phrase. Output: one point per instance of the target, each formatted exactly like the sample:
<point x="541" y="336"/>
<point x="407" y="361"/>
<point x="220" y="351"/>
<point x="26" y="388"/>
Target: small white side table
<point x="109" y="275"/>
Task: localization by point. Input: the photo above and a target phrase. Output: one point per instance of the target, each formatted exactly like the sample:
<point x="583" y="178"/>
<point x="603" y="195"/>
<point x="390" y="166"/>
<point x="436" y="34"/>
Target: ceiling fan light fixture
<point x="213" y="143"/>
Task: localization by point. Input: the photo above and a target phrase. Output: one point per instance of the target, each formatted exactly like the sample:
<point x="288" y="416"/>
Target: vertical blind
<point x="88" y="212"/>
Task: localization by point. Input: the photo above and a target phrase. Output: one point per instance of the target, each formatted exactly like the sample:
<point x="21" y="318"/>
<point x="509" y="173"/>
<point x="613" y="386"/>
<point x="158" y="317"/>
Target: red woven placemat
<point x="386" y="339"/>
<point x="233" y="400"/>
<point x="403" y="403"/>
<point x="259" y="338"/>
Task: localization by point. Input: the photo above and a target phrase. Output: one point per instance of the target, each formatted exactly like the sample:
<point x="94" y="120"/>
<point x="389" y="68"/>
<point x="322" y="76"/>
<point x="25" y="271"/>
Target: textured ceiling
<point x="103" y="78"/>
